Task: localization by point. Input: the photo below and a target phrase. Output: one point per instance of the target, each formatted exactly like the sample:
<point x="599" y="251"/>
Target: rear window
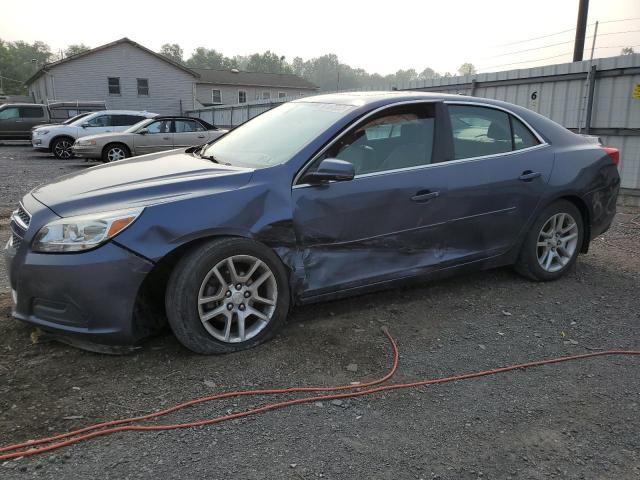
<point x="31" y="112"/>
<point x="125" y="120"/>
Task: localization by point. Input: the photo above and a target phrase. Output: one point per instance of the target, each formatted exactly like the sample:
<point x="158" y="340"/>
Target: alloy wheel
<point x="557" y="242"/>
<point x="62" y="149"/>
<point x="237" y="298"/>
<point x="116" y="153"/>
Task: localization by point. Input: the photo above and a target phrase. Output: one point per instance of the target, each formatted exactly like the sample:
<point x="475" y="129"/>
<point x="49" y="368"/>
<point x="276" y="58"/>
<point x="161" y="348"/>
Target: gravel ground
<point x="569" y="421"/>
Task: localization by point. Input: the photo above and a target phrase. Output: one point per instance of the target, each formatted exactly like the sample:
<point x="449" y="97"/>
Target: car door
<point x="155" y="137"/>
<point x="9" y="126"/>
<point x="496" y="179"/>
<point x="388" y="221"/>
<point x="30" y="117"/>
<point x="188" y="133"/>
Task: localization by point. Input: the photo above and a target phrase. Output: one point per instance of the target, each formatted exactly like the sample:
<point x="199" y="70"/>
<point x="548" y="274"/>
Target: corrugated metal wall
<point x="559" y="92"/>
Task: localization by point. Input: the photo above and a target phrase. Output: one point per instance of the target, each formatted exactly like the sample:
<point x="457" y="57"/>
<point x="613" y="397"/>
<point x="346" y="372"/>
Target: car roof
<point x="24" y="104"/>
<point x="126" y="112"/>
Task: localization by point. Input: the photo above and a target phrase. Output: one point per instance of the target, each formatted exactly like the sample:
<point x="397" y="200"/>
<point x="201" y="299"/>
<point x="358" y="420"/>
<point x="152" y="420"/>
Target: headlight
<point x="42" y="132"/>
<point x="85" y="142"/>
<point x="74" y="234"/>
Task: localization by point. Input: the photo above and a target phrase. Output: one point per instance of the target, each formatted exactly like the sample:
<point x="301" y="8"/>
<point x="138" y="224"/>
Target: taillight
<point x="614" y="153"/>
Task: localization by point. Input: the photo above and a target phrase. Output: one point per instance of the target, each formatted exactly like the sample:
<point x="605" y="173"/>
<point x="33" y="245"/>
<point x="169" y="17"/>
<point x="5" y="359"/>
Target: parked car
<point x="318" y="198"/>
<point x="59" y="139"/>
<point x="66" y="122"/>
<point x="148" y="136"/>
<point x="18" y="119"/>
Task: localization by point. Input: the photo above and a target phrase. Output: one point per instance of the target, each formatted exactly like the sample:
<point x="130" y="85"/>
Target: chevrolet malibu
<point x="319" y="198"/>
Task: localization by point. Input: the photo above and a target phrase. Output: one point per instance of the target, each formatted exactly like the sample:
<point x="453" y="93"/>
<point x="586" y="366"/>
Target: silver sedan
<point x="148" y="136"/>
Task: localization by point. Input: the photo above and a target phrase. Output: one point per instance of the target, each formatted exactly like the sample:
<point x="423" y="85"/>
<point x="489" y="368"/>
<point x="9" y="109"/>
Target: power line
<point x="535" y="38"/>
<point x="556" y="44"/>
<point x="525" y="61"/>
<point x="565" y="31"/>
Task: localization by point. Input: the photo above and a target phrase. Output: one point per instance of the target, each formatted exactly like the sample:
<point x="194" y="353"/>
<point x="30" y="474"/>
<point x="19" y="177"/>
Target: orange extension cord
<point x="362" y="389"/>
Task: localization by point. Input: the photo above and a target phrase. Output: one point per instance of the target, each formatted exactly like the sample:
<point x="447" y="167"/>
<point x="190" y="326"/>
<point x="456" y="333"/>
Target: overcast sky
<point x="379" y="36"/>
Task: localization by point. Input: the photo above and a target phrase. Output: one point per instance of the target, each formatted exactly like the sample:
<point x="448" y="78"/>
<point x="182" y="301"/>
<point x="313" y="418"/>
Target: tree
<point x="18" y="61"/>
<point x="76" y="49"/>
<point x="627" y="51"/>
<point x="172" y="51"/>
<point x="467" y="69"/>
<point x="428" y="74"/>
<point x="205" y="58"/>
<point x="267" y="62"/>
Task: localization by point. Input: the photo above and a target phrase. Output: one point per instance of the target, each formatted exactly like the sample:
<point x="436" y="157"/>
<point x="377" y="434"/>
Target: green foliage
<point x="467" y="69"/>
<point x="172" y="51"/>
<point x="18" y="61"/>
<point x="76" y="49"/>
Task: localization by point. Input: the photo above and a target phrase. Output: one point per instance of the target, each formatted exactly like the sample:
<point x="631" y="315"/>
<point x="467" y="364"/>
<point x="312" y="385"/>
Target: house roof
<point x="47" y="66"/>
<point x="257" y="79"/>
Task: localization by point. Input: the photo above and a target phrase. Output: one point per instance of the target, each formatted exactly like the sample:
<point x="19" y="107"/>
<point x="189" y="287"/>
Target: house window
<point x="282" y="95"/>
<point x="216" y="96"/>
<point x="114" y="85"/>
<point x="242" y="96"/>
<point x="143" y="87"/>
<point x="266" y="95"/>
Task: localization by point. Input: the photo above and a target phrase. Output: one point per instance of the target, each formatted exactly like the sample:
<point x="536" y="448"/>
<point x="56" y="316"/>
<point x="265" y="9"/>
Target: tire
<point x="541" y="243"/>
<point x="61" y="148"/>
<point x="114" y="152"/>
<point x="203" y="273"/>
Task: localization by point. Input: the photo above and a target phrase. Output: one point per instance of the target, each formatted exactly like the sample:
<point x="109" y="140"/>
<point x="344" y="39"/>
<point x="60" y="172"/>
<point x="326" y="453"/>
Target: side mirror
<point x="85" y="125"/>
<point x="331" y="169"/>
<point x="143" y="131"/>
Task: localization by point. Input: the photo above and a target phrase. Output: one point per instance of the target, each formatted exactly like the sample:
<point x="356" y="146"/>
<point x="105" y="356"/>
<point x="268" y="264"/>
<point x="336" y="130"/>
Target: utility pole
<point x="581" y="30"/>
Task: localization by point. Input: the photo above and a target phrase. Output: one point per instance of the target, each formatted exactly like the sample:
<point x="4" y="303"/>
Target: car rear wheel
<point x="114" y="152"/>
<point x="61" y="148"/>
<point x="553" y="242"/>
<point x="226" y="295"/>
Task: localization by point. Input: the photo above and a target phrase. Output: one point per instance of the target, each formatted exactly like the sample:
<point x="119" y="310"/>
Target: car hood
<point x="139" y="181"/>
<point x="100" y="136"/>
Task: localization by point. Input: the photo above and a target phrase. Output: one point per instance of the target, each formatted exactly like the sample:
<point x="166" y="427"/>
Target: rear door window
<point x="125" y="120"/>
<point x="186" y="126"/>
<point x="31" y="112"/>
<point x="480" y="131"/>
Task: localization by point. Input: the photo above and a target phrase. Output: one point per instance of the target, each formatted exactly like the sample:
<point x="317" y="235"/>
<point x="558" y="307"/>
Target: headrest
<point x="497" y="131"/>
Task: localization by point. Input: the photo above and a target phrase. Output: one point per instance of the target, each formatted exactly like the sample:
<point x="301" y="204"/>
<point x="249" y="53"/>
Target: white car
<point x="59" y="139"/>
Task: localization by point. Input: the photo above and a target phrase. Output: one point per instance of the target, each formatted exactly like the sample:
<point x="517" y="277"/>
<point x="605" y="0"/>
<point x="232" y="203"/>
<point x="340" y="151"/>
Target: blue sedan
<point x="319" y="198"/>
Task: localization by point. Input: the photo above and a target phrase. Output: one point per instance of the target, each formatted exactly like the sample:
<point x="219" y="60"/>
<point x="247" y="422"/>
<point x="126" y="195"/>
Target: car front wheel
<point x="115" y="152"/>
<point x="61" y="148"/>
<point x="226" y="295"/>
<point x="553" y="242"/>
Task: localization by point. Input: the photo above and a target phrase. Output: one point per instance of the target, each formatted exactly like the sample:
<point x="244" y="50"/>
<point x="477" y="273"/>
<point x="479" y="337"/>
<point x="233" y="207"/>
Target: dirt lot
<point x="569" y="421"/>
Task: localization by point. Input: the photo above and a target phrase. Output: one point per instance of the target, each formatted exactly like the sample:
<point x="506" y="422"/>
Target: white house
<point x="126" y="75"/>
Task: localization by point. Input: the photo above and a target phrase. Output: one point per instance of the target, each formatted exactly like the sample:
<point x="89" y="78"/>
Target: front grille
<point x="15" y="241"/>
<point x="23" y="215"/>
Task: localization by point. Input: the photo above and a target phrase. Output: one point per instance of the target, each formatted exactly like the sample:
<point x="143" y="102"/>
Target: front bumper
<point x="40" y="142"/>
<point x="86" y="151"/>
<point x="91" y="294"/>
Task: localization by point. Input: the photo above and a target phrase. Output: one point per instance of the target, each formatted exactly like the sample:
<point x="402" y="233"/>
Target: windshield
<point x="74" y="118"/>
<point x="275" y="136"/>
<point x="133" y="128"/>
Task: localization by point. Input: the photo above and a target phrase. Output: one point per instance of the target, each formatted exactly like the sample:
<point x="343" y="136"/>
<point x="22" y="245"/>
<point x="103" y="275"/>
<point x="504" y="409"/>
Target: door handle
<point x="424" y="196"/>
<point x="528" y="175"/>
<point x="200" y="136"/>
<point x="166" y="138"/>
